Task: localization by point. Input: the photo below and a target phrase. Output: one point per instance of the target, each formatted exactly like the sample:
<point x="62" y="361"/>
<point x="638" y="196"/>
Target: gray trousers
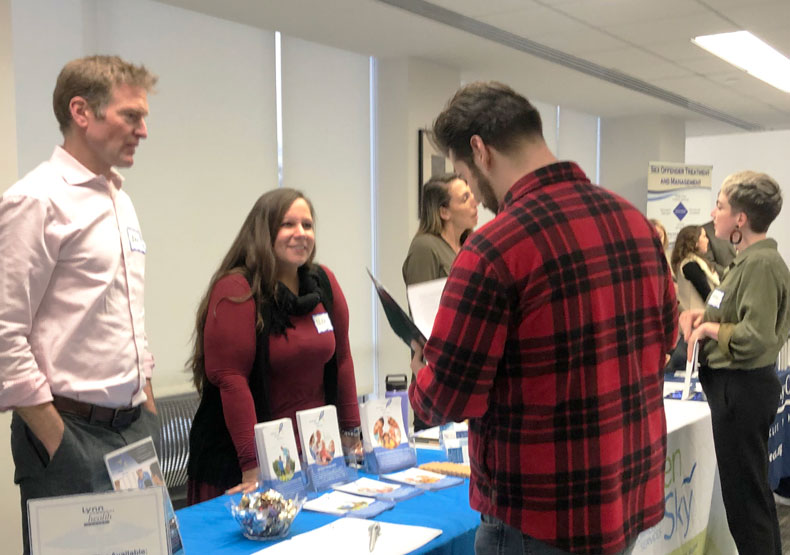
<point x="78" y="464"/>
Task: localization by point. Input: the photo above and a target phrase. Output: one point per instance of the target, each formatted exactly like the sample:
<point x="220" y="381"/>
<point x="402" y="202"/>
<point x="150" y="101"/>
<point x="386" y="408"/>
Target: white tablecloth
<point x="694" y="520"/>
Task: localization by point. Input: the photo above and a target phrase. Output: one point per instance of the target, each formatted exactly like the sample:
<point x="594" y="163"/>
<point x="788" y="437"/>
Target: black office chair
<point x="175" y="414"/>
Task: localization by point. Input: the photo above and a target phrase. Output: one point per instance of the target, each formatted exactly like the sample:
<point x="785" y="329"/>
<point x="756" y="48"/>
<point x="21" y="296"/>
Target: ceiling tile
<point x="677" y="51"/>
<point x="672" y="29"/>
<point x="708" y="66"/>
<point x="642" y="65"/>
<point x="554" y="29"/>
<point x="477" y="9"/>
<point x="606" y="13"/>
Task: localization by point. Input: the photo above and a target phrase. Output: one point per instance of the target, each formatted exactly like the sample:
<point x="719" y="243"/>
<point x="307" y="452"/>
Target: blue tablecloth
<point x="209" y="528"/>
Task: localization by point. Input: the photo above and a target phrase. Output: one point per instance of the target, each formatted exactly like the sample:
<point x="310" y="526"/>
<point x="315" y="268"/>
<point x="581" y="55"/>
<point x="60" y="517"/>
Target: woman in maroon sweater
<point x="271" y="339"/>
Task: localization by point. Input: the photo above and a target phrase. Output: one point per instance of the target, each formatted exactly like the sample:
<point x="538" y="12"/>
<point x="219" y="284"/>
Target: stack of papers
<point x="342" y="503"/>
<point x="423" y="479"/>
<point x="380" y="490"/>
<point x="351" y="536"/>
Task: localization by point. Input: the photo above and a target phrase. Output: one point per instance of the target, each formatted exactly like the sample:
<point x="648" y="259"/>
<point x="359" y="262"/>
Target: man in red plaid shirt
<point x="550" y="338"/>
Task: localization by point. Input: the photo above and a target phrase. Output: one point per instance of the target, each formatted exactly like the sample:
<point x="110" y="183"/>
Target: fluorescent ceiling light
<point x="742" y="49"/>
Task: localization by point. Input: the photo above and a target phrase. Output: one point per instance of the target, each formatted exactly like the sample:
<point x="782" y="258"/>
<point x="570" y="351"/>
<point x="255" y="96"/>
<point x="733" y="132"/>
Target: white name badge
<point x="130" y="521"/>
<point x="322" y="322"/>
<point x="715" y="298"/>
<point x="136" y="242"/>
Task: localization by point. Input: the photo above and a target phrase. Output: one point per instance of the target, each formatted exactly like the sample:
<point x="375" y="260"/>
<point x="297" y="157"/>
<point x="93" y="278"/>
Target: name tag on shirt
<point x="136" y="242"/>
<point x="322" y="322"/>
<point x="715" y="298"/>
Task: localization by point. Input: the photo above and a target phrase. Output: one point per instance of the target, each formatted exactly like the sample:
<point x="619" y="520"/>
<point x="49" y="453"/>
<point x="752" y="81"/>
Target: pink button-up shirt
<point x="72" y="264"/>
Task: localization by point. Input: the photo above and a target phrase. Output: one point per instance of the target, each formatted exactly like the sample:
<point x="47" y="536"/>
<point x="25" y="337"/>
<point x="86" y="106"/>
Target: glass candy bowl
<point x="265" y="515"/>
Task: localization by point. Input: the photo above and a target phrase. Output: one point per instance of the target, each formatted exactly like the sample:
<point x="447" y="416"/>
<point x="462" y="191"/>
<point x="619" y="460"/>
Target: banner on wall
<point x="678" y="195"/>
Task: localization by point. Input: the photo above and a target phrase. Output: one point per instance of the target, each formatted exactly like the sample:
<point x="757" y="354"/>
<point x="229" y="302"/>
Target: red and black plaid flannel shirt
<point x="550" y="338"/>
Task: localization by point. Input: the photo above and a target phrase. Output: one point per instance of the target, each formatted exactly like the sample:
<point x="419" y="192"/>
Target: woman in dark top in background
<point x="448" y="215"/>
<point x="271" y="339"/>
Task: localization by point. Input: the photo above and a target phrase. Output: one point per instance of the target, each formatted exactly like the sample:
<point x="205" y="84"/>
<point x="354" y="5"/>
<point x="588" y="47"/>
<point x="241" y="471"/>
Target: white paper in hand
<point x="692" y="367"/>
<point x="424" y="303"/>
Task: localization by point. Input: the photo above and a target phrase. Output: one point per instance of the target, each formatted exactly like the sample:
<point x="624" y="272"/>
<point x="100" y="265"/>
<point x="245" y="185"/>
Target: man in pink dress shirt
<point x="74" y="361"/>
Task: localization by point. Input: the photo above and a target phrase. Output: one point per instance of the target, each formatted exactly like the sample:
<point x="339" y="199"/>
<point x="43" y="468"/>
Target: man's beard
<point x="487" y="196"/>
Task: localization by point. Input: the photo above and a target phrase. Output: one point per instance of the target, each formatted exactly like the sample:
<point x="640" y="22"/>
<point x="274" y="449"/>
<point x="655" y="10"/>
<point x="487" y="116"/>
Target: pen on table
<point x="373" y="531"/>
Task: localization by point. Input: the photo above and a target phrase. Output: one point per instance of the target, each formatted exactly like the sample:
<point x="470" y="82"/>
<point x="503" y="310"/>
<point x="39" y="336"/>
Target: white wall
<point x="764" y="152"/>
<point x="211" y="149"/>
<point x="10" y="523"/>
<point x="577" y="140"/>
<point x="326" y="154"/>
<point x="629" y="143"/>
<point x="411" y="92"/>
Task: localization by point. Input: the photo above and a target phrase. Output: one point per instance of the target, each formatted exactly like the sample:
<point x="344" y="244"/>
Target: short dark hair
<point x="757" y="195"/>
<point x="93" y="78"/>
<point x="495" y="112"/>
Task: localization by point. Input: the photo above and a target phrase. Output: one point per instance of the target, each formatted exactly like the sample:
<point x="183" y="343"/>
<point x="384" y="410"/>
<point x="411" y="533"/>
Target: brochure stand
<point x="278" y="459"/>
<point x="322" y="452"/>
<point x="136" y="466"/>
<point x="384" y="436"/>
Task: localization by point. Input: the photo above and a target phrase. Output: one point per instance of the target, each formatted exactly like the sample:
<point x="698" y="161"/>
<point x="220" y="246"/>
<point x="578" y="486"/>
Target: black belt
<point x="95" y="414"/>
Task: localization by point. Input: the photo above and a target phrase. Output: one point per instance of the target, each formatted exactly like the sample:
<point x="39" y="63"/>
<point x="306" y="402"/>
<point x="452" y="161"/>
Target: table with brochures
<point x="209" y="528"/>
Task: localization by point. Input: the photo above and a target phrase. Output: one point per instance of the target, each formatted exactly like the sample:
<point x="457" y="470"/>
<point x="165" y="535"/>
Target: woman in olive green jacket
<point x="741" y="329"/>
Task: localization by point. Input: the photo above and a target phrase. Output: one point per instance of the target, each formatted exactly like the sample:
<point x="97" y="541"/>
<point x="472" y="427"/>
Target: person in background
<point x="448" y="214"/>
<point x="74" y="360"/>
<point x="271" y="338"/>
<point x="695" y="275"/>
<point x="695" y="278"/>
<point x="720" y="252"/>
<point x="662" y="234"/>
<point x="550" y="338"/>
<point x="742" y="327"/>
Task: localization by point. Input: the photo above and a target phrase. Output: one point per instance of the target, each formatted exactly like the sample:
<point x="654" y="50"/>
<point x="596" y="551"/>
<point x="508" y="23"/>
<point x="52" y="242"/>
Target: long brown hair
<point x="686" y="244"/>
<point x="435" y="195"/>
<point x="252" y="256"/>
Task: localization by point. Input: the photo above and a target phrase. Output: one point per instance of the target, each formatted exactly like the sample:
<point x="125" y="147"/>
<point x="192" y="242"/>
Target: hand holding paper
<point x="399" y="321"/>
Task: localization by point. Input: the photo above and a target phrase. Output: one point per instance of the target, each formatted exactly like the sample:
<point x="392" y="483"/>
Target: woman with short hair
<point x="743" y="326"/>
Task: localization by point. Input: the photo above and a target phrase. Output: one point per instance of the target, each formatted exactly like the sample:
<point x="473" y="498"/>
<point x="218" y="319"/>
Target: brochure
<point x="136" y="466"/>
<point x="399" y="321"/>
<point x="423" y="479"/>
<point x="454" y="439"/>
<point x="380" y="490"/>
<point x="384" y="436"/>
<point x="319" y="435"/>
<point x="278" y="458"/>
<point x="346" y="504"/>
